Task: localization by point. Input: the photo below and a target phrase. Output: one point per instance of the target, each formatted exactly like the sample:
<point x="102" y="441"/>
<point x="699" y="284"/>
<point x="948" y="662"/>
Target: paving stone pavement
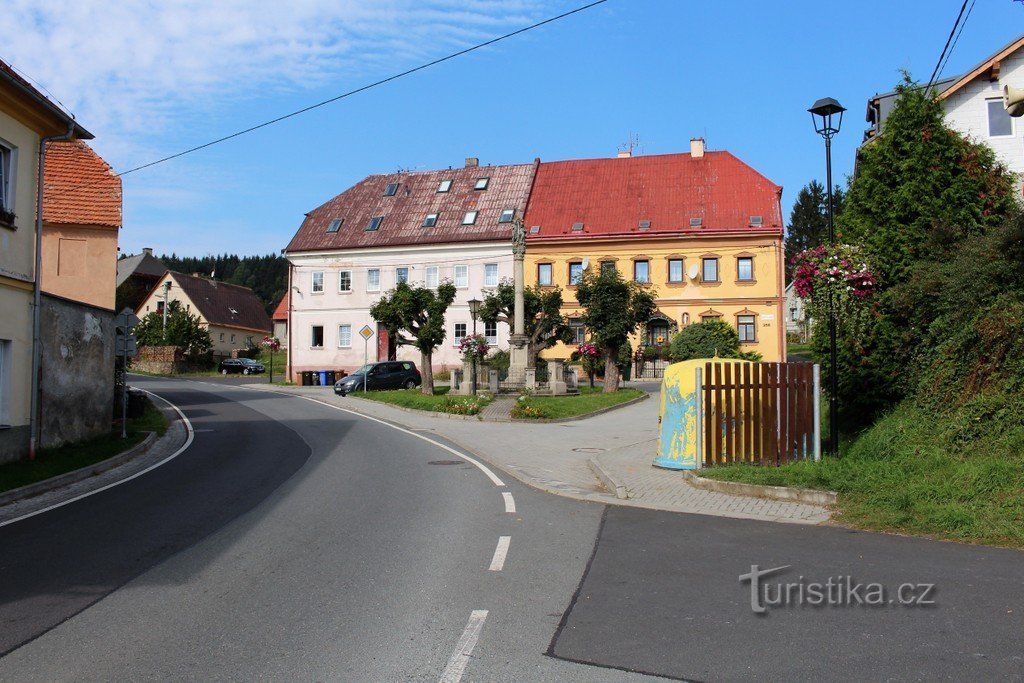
<point x="500" y="409"/>
<point x="553" y="457"/>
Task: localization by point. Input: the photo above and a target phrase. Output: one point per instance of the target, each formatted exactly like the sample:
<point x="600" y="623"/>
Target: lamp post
<point x="823" y="114"/>
<point x="474" y="311"/>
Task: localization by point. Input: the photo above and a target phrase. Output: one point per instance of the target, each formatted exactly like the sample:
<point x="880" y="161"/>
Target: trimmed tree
<point x="543" y="322"/>
<point x="613" y="309"/>
<point x="184" y="330"/>
<point x="705" y="340"/>
<point x="414" y="316"/>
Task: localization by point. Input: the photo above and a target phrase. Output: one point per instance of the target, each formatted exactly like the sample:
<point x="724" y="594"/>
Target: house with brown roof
<point x="136" y="275"/>
<point x="233" y="314"/>
<point x="81" y="219"/>
<point x="416" y="227"/>
<point x="280" y="320"/>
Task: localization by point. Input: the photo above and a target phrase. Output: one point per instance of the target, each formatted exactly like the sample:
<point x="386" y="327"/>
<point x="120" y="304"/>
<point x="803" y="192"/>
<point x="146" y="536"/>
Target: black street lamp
<point x="826" y="124"/>
<point x="474" y="311"/>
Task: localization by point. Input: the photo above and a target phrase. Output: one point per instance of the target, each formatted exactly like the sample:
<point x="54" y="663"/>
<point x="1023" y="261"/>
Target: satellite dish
<point x="692" y="272"/>
<point x="586" y="263"/>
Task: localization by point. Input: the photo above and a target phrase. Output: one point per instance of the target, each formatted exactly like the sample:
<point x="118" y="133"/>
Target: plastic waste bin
<point x="323" y="378"/>
<point x="330" y="378"/>
<point x="307" y="378"/>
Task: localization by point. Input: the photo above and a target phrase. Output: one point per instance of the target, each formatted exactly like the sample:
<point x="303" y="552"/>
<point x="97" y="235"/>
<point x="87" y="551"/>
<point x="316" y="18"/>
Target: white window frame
<point x="464" y="270"/>
<point x="551" y="274"/>
<point x="342" y="290"/>
<point x="456" y="337"/>
<point x="511" y="213"/>
<point x="398" y="274"/>
<point x="431" y="277"/>
<point x="430" y="220"/>
<point x="482" y="183"/>
<point x="369" y="280"/>
<point x="8" y="176"/>
<point x="488" y="280"/>
<point x="444" y="186"/>
<point x="341" y="337"/>
<point x="232" y="339"/>
<point x="323" y="339"/>
<point x="492" y="339"/>
<point x="988" y="118"/>
<point x="313" y="282"/>
<point x="470" y="218"/>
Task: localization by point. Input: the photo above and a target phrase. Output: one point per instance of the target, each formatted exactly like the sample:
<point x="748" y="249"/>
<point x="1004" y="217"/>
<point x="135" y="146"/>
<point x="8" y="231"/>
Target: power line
<point x="935" y="71"/>
<point x="364" y="88"/>
<point x="957" y="39"/>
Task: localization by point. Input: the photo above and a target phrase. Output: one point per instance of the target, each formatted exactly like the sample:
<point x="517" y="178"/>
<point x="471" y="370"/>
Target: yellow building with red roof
<point x="704" y="230"/>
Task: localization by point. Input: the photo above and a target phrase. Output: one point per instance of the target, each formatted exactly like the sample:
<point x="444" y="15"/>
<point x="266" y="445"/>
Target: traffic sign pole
<point x="366" y="333"/>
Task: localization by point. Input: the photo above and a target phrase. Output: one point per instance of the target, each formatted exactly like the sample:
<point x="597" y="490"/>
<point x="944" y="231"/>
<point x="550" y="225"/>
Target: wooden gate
<point x="761" y="413"/>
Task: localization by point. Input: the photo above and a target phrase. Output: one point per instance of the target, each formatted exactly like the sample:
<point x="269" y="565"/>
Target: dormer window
<point x="577" y="227"/>
<point x="444" y="186"/>
<point x="469" y="218"/>
<point x="374" y="223"/>
<point x="335" y="225"/>
<point x="481" y="183"/>
<point x="757" y="221"/>
<point x="506" y="216"/>
<point x="391" y="189"/>
<point x="430" y="221"/>
<point x="696" y="222"/>
<point x="643" y="225"/>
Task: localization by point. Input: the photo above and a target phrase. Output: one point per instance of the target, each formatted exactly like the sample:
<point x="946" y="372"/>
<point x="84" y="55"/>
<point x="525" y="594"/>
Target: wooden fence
<point x="761" y="413"/>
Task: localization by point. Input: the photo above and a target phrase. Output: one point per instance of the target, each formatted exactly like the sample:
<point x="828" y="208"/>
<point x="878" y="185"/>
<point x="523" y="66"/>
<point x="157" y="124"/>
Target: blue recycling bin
<point x="323" y="378"/>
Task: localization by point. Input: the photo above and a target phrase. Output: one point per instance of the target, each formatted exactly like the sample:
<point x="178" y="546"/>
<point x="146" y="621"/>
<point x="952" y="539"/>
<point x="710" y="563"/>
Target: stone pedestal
<point x="556" y="378"/>
<point x="466" y="387"/>
<point x="518" y="355"/>
<point x="492" y="381"/>
<point x="530" y="381"/>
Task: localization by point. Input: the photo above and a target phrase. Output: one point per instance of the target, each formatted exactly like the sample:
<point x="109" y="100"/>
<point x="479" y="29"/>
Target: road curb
<point x="790" y="494"/>
<point x="74" y="476"/>
<point x="607" y="479"/>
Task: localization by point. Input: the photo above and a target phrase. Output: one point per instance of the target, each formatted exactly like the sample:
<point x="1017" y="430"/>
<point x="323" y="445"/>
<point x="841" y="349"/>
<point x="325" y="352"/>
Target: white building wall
<point x="967" y="112"/>
<point x="332" y="308"/>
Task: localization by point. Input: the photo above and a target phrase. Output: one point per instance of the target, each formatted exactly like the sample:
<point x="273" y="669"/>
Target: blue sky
<point x="150" y="78"/>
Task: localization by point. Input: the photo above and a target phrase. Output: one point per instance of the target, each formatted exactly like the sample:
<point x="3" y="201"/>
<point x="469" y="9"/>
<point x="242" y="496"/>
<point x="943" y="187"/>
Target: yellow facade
<point x="756" y="301"/>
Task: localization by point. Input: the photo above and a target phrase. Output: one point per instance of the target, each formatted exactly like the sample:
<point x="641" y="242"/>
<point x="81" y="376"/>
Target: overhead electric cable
<point x="956" y="40"/>
<point x="946" y="46"/>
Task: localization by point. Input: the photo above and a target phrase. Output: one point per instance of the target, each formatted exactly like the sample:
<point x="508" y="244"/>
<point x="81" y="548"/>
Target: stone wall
<point x="160" y="360"/>
<point x="77" y="389"/>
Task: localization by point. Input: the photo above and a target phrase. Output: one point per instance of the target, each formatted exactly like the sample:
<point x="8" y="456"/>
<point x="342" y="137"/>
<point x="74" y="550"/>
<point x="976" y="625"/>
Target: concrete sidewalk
<point x="554" y="457"/>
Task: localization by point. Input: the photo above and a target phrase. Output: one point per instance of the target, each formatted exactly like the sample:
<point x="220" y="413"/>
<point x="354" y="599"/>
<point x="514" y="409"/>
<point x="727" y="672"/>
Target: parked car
<point x="385" y="375"/>
<point x="243" y="366"/>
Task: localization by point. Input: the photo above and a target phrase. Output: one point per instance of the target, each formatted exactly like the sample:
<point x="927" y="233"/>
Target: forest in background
<point x="267" y="276"/>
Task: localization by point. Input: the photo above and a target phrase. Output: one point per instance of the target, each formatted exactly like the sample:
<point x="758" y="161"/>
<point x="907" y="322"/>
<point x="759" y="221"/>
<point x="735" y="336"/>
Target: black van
<point x="386" y="375"/>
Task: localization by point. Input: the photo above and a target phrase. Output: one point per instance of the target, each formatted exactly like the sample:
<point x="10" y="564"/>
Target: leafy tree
<point x="183" y="330"/>
<point x="544" y="324"/>
<point x="919" y="185"/>
<point x="705" y="339"/>
<point x="414" y="316"/>
<point x="808" y="222"/>
<point x="613" y="309"/>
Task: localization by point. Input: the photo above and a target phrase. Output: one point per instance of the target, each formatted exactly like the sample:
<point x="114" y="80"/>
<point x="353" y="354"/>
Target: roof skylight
<point x="481" y="183"/>
<point x="469" y="218"/>
<point x="430" y="221"/>
<point x="335" y="225"/>
<point x="644" y="225"/>
<point x="506" y="216"/>
<point x="757" y="220"/>
<point x="444" y="186"/>
<point x="577" y="227"/>
<point x="374" y="223"/>
<point x="534" y="230"/>
<point x="696" y="222"/>
<point x="391" y="189"/>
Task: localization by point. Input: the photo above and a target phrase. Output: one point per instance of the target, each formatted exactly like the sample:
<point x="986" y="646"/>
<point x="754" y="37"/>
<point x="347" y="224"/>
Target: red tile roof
<point x="281" y="312"/>
<point x="224" y="304"/>
<point x="612" y="196"/>
<point x="79" y="187"/>
<point x="417" y="196"/>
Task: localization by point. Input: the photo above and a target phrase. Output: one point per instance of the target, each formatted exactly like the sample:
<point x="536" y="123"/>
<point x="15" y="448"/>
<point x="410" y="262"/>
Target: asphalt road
<point x="294" y="541"/>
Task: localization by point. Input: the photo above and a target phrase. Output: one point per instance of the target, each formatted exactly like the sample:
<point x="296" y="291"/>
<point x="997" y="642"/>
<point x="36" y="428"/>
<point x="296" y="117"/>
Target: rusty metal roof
<point x="417" y="196"/>
<point x="613" y="196"/>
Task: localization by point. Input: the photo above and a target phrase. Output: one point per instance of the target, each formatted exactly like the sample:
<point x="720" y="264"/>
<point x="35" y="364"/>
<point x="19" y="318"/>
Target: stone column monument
<point x="519" y="354"/>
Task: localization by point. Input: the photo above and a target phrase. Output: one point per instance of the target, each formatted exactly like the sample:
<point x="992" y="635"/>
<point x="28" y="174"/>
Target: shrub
<point x="522" y="410"/>
<point x="705" y="340"/>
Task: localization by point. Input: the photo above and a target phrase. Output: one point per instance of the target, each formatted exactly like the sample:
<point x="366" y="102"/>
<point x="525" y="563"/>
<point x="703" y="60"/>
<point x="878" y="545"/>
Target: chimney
<point x="472" y="162"/>
<point x="625" y="153"/>
<point x="147" y="250"/>
<point x="696" y="148"/>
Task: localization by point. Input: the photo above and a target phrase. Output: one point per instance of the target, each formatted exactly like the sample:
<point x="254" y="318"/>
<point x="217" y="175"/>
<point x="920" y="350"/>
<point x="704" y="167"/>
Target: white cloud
<point x="129" y="68"/>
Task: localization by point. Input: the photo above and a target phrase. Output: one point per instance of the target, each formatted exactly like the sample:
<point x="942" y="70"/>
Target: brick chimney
<point x="625" y="153"/>
<point x="472" y="162"/>
<point x="147" y="250"/>
<point x="696" y="147"/>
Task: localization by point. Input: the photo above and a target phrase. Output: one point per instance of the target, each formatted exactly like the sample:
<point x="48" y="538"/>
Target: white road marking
<point x="510" y="502"/>
<point x="464" y="648"/>
<point x="188" y="442"/>
<point x="500" y="553"/>
<point x="479" y="465"/>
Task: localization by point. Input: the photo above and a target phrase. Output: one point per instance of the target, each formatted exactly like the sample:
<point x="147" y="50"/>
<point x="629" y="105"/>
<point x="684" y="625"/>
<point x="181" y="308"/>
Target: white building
<point x="974" y="105"/>
<point x="423" y="228"/>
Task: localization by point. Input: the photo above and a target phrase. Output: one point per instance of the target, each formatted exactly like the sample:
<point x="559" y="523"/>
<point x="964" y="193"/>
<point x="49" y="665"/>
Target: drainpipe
<point x="37" y="291"/>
